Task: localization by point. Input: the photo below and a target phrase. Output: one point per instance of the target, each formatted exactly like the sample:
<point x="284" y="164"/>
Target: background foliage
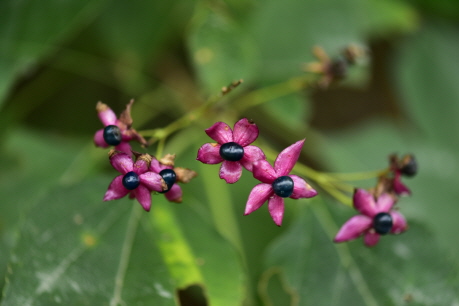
<point x="60" y="244"/>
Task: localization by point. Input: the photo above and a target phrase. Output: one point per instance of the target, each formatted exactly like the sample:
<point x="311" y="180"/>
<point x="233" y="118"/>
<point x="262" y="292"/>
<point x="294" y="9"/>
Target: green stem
<point x="272" y="92"/>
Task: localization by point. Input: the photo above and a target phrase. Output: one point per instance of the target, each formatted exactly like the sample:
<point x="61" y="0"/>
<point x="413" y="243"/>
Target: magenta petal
<point x="122" y="162"/>
<point x="116" y="189"/>
<point x="174" y="194"/>
<point x="151" y="180"/>
<point x="353" y="228"/>
<point x="107" y="116"/>
<point x="276" y="209"/>
<point x="124" y="147"/>
<point x="399" y="187"/>
<point x="371" y="238"/>
<point x="155" y="166"/>
<point x="99" y="139"/>
<point x="399" y="224"/>
<point x="140" y="166"/>
<point x="264" y="172"/>
<point x="230" y="171"/>
<point x="143" y="195"/>
<point x="209" y="153"/>
<point x="245" y="132"/>
<point x="259" y="195"/>
<point x="287" y="158"/>
<point x="301" y="189"/>
<point x="251" y="155"/>
<point x="220" y="132"/>
<point x="364" y="202"/>
<point x="384" y="203"/>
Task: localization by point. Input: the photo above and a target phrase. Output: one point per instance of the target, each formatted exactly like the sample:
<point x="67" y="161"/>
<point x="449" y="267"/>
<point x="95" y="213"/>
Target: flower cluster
<point x="140" y="177"/>
<point x="144" y="176"/>
<point x="233" y="150"/>
<point x="377" y="214"/>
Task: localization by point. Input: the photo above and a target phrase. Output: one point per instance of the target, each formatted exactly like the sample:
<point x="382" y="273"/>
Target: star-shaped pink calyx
<point x="116" y="132"/>
<point x="376" y="218"/>
<point x="278" y="184"/>
<point x="232" y="149"/>
<point x="135" y="179"/>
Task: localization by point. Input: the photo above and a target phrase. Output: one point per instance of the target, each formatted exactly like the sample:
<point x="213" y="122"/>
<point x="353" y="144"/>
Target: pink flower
<point x="117" y="132"/>
<point x="277" y="184"/>
<point x="376" y="218"/>
<point x="232" y="149"/>
<point x="134" y="179"/>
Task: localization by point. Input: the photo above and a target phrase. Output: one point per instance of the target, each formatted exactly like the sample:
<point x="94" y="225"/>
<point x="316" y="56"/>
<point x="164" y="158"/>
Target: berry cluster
<point x="145" y="174"/>
<point x="234" y="151"/>
<point x="376" y="206"/>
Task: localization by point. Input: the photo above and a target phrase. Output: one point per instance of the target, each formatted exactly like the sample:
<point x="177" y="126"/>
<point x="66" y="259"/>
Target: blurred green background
<point x="60" y="244"/>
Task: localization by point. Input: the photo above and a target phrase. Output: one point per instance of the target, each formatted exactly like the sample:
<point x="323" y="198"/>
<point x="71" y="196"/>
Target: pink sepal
<point x="124" y="147"/>
<point x="245" y="132"/>
<point x="364" y="202"/>
<point x="276" y="209"/>
<point x="220" y="132"/>
<point x="143" y="195"/>
<point x="399" y="224"/>
<point x="107" y="116"/>
<point x="174" y="194"/>
<point x="122" y="162"/>
<point x="209" y="153"/>
<point x="287" y="158"/>
<point x="301" y="189"/>
<point x="264" y="172"/>
<point x="353" y="228"/>
<point x="153" y="181"/>
<point x="259" y="195"/>
<point x="116" y="189"/>
<point x="230" y="171"/>
<point x="384" y="203"/>
<point x="99" y="139"/>
<point x="371" y="238"/>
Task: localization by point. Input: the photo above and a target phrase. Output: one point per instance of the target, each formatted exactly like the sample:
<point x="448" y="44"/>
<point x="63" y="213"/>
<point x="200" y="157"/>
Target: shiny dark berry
<point x="382" y="223"/>
<point x="112" y="135"/>
<point x="131" y="180"/>
<point x="410" y="168"/>
<point x="231" y="151"/>
<point x="338" y="68"/>
<point x="283" y="186"/>
<point x="169" y="177"/>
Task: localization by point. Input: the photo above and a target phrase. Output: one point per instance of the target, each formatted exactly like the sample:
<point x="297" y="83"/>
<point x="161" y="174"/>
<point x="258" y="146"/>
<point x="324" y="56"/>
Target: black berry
<point x="131" y="180"/>
<point x="283" y="186"/>
<point x="169" y="177"/>
<point x="410" y="168"/>
<point x="231" y="151"/>
<point x="382" y="223"/>
<point x="112" y="135"/>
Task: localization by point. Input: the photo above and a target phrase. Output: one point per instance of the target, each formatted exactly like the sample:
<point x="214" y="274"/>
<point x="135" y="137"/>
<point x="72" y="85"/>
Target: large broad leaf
<point x="427" y="82"/>
<point x="32" y="29"/>
<point x="408" y="268"/>
<point x="77" y="250"/>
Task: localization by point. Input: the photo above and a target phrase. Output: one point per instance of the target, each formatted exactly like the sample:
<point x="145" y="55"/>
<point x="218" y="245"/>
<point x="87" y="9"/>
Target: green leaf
<point x="400" y="269"/>
<point x="427" y="81"/>
<point x="221" y="49"/>
<point x="77" y="250"/>
<point x="32" y="29"/>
